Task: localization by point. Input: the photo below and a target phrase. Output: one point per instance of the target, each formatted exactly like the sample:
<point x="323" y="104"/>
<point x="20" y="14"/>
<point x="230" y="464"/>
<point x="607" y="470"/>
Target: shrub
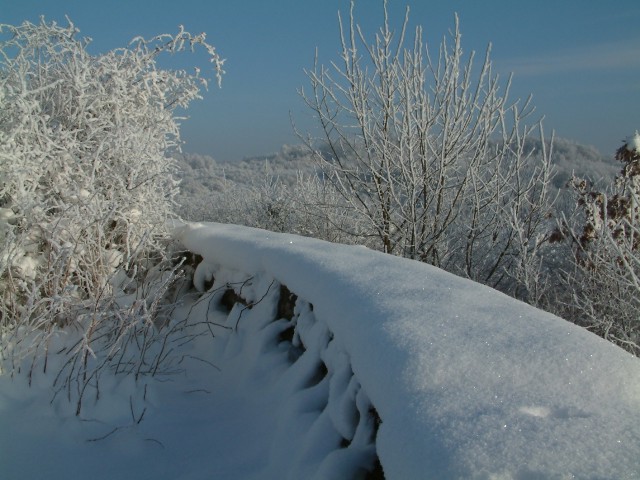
<point x="604" y="282"/>
<point x="431" y="156"/>
<point x="86" y="177"/>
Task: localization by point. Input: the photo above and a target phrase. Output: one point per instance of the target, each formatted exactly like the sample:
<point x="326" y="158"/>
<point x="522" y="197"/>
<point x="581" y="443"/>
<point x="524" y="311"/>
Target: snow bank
<point x="469" y="383"/>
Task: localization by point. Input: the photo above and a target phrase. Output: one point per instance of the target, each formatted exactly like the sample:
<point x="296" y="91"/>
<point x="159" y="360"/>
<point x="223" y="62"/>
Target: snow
<point x="632" y="143"/>
<point x="453" y="368"/>
<point x="467" y="382"/>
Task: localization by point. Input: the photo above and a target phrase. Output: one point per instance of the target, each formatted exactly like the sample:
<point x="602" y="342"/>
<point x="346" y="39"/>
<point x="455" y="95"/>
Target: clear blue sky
<point x="579" y="58"/>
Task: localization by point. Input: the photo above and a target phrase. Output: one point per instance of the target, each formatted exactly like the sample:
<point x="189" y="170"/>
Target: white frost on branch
<point x="87" y="181"/>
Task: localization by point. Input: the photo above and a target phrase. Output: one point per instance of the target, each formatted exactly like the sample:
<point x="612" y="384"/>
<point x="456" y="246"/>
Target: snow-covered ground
<point x="372" y="356"/>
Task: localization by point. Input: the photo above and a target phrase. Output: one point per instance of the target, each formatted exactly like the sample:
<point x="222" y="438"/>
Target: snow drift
<point x="468" y="383"/>
<point x="294" y="358"/>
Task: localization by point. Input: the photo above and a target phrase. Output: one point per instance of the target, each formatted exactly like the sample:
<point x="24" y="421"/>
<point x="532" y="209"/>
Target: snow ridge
<point x="467" y="382"/>
<point x="296" y="358"/>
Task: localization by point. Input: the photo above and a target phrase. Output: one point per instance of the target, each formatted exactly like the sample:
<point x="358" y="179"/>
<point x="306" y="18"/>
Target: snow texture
<point x="375" y="357"/>
<point x="468" y="382"/>
<point x="632" y="143"/>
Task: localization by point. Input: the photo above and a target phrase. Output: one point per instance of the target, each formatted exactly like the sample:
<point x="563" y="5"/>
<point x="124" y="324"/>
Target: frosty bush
<point x="432" y="157"/>
<point x="86" y="176"/>
<point x="307" y="206"/>
<point x="604" y="284"/>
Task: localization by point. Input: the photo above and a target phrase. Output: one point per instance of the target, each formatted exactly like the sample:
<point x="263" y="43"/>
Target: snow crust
<point x="468" y="382"/>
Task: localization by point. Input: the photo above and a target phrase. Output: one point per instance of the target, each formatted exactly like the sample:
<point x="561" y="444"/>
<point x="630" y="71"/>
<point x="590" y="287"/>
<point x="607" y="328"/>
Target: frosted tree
<point x="604" y="284"/>
<point x="432" y="157"/>
<point x="86" y="177"/>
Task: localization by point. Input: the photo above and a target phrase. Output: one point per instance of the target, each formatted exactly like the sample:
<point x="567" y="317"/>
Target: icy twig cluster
<point x="87" y="185"/>
<point x="432" y="157"/>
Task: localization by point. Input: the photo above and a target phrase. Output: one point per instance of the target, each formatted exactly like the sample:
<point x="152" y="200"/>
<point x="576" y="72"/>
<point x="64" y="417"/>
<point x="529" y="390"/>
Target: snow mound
<point x="632" y="143"/>
<point x="468" y="383"/>
<point x="294" y="358"/>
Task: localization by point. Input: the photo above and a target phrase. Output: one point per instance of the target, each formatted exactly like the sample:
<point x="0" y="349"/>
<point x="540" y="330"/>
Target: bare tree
<point x="430" y="155"/>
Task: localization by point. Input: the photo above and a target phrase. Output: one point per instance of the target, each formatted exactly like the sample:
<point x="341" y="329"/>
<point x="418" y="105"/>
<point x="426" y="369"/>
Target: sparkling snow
<point x="467" y="383"/>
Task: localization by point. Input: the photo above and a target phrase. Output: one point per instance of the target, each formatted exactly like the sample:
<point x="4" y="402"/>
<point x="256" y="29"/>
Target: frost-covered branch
<point x="86" y="187"/>
<point x="431" y="155"/>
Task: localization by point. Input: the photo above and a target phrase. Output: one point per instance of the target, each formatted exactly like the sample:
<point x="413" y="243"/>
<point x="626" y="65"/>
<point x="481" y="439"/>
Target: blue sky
<point x="579" y="58"/>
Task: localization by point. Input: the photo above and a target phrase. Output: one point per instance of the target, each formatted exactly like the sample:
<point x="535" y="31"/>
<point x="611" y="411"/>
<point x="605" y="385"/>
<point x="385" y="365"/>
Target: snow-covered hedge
<point x="467" y="382"/>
